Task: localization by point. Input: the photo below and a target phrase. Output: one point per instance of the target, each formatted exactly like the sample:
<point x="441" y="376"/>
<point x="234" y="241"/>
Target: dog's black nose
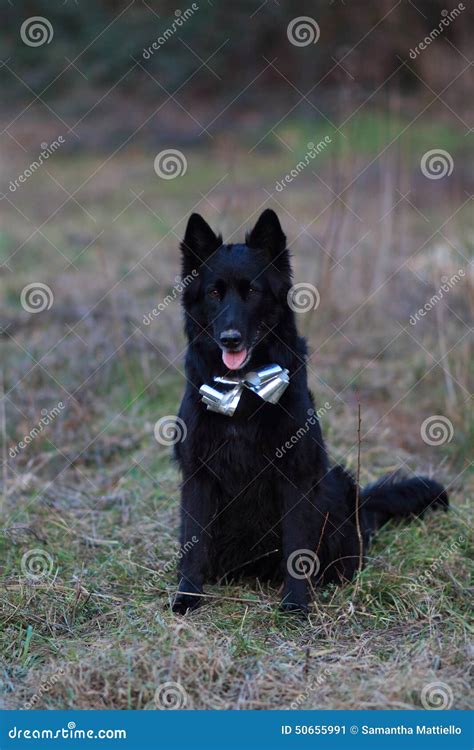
<point x="231" y="338"/>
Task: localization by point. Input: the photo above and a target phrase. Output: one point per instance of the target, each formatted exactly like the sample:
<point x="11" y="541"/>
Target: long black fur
<point x="246" y="506"/>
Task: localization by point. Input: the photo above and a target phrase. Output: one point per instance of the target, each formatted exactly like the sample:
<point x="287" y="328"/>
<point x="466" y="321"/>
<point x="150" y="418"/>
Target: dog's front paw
<point x="294" y="605"/>
<point x="184" y="602"/>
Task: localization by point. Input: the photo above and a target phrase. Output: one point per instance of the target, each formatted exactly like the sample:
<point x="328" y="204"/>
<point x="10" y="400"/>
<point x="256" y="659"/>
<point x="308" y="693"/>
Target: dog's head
<point x="237" y="293"/>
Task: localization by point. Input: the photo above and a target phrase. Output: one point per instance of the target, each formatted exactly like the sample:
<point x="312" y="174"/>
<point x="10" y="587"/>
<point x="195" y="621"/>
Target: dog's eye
<point x="214" y="293"/>
<point x="252" y="290"/>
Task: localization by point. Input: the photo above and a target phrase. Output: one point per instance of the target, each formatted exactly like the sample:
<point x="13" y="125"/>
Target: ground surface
<point x="90" y="625"/>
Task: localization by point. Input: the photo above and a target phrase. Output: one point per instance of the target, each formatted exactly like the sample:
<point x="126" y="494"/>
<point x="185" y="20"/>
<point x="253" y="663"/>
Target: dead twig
<point x="357" y="514"/>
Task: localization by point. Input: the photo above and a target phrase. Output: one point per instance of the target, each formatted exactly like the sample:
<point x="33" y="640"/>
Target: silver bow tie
<point x="268" y="382"/>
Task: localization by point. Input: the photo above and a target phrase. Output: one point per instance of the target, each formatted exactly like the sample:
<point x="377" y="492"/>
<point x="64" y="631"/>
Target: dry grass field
<point x="90" y="503"/>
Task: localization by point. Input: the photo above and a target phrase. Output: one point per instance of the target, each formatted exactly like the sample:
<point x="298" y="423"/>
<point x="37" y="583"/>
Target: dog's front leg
<point x="298" y="541"/>
<point x="195" y="543"/>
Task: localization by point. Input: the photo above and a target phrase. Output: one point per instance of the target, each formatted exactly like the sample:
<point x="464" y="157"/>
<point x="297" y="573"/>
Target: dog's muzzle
<point x="268" y="383"/>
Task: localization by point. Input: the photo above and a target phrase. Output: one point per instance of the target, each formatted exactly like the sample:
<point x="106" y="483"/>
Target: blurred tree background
<point x="99" y="46"/>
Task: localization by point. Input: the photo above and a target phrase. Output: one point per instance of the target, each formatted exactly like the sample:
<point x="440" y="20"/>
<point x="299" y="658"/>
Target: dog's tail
<point x="395" y="496"/>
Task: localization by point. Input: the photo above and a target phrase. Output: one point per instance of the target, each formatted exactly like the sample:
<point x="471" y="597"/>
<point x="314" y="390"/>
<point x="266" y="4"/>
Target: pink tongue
<point x="234" y="360"/>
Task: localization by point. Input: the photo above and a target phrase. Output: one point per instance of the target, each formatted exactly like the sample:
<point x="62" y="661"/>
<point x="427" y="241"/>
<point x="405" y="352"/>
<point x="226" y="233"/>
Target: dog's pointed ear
<point x="267" y="234"/>
<point x="198" y="244"/>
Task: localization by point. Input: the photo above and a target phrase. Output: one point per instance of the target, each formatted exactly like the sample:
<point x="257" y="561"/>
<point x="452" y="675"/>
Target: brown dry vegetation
<point x="100" y="495"/>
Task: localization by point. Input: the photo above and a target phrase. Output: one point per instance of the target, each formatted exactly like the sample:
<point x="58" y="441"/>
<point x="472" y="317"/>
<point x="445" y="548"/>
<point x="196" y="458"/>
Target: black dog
<point x="245" y="511"/>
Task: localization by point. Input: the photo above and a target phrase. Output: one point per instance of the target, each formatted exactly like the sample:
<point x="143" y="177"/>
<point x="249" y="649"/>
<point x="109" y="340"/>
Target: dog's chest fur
<point x="231" y="440"/>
